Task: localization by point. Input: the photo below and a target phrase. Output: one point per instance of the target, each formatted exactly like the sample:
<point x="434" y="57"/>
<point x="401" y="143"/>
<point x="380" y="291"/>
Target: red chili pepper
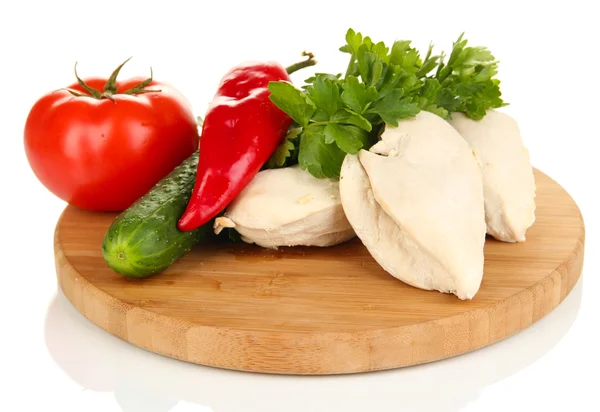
<point x="241" y="130"/>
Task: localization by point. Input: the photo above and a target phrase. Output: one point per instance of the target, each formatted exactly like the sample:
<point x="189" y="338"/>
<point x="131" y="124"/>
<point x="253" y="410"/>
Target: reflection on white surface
<point x="146" y="382"/>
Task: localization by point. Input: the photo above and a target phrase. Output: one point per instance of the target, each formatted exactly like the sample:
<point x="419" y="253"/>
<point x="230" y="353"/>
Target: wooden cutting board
<point x="318" y="310"/>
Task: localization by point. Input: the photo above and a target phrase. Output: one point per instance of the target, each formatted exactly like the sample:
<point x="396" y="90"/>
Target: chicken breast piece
<point x="288" y="207"/>
<point x="508" y="182"/>
<point x="416" y="202"/>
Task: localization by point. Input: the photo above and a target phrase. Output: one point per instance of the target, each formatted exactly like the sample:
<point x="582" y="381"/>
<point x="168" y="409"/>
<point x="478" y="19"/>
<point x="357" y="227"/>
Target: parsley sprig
<point x="466" y="81"/>
<point x="337" y="114"/>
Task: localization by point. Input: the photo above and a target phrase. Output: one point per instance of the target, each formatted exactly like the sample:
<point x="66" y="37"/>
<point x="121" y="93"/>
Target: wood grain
<point x="318" y="310"/>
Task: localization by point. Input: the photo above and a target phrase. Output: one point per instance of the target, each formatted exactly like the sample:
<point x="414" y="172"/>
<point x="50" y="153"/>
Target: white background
<point x="51" y="357"/>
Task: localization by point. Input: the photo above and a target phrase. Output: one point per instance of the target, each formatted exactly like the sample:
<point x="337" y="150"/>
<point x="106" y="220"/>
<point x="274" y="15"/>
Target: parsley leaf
<point x="285" y="151"/>
<point x="405" y="56"/>
<point x="357" y="95"/>
<point x="346" y="116"/>
<point x="316" y="156"/>
<point x="399" y="49"/>
<point x="429" y="97"/>
<point x="393" y="107"/>
<point x="370" y="66"/>
<point x="292" y="101"/>
<point x="467" y="80"/>
<point x="429" y="63"/>
<point x="353" y="42"/>
<point x="350" y="139"/>
<point x="312" y="79"/>
<point x="325" y="94"/>
<point x="385" y="69"/>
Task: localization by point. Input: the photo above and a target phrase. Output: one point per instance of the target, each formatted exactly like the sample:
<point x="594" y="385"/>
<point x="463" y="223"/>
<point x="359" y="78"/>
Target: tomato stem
<point x="140" y="88"/>
<point x="93" y="92"/>
<point x="110" y="87"/>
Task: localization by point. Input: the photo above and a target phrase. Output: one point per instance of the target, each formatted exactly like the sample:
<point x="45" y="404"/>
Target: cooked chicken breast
<point x="288" y="207"/>
<point x="508" y="182"/>
<point x="416" y="202"/>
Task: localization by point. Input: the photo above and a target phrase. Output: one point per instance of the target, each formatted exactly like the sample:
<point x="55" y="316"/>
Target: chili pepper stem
<point x="310" y="61"/>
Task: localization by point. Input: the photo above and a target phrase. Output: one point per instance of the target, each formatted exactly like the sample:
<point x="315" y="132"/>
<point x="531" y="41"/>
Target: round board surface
<point x="318" y="310"/>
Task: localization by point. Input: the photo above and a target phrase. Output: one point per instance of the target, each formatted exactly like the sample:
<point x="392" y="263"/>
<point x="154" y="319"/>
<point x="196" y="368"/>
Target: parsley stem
<point x="324" y="123"/>
<point x="350" y="66"/>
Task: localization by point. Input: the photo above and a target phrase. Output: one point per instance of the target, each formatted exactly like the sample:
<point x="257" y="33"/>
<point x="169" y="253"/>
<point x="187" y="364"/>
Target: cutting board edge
<point x="317" y="353"/>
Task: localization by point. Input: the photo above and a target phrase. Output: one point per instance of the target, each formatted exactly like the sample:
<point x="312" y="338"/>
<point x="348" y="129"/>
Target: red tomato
<point x="103" y="154"/>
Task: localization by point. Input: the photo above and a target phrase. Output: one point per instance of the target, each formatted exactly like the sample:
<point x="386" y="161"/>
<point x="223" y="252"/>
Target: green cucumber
<point x="144" y="239"/>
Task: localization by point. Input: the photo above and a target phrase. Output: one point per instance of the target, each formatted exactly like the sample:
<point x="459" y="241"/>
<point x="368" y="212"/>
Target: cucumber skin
<point x="144" y="239"/>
